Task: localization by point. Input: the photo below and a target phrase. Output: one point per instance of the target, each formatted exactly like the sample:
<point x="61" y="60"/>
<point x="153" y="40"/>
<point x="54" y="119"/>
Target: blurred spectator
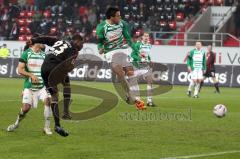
<point x="86" y="27"/>
<point x="57" y="17"/>
<point x="14" y="11"/>
<point x="13" y="31"/>
<point x="237" y="20"/>
<point x="4" y="51"/>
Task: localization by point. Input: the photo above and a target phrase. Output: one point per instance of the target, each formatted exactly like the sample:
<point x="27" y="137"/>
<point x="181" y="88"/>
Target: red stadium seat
<point x="29" y="37"/>
<point x="28" y="31"/>
<point x="21" y="22"/>
<point x="30" y="14"/>
<point x="179" y="16"/>
<point x="22" y="30"/>
<point x="22" y="38"/>
<point x="157" y="42"/>
<point x="47" y="13"/>
<point x="163" y="23"/>
<point x="23" y="14"/>
<point x="28" y="21"/>
<point x="172" y="25"/>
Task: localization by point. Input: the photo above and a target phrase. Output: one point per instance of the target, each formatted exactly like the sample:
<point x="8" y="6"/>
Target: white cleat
<point x="47" y="131"/>
<point x="12" y="127"/>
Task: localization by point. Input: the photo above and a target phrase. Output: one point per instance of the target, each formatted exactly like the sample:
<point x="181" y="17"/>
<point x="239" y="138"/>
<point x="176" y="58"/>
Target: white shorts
<point x="32" y="97"/>
<point x="118" y="56"/>
<point x="197" y="74"/>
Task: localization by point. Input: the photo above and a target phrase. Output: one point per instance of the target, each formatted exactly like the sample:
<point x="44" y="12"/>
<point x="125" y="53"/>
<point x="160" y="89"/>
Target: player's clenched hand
<point x="101" y="51"/>
<point x="34" y="79"/>
<point x="189" y="70"/>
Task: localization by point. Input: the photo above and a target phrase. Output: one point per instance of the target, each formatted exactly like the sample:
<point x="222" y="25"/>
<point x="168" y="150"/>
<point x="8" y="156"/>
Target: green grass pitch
<point x="114" y="136"/>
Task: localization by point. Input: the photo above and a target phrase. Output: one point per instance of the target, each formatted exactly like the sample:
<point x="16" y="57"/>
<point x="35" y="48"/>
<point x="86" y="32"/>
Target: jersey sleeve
<point x="45" y="40"/>
<point x="23" y="57"/>
<point x="135" y="52"/>
<point x="126" y="33"/>
<point x="189" y="59"/>
<point x="100" y="35"/>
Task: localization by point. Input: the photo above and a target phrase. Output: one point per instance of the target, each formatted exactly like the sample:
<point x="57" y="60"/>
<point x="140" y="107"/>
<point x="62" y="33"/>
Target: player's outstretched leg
<point x="149" y="91"/>
<point x="190" y="88"/>
<point x="20" y="117"/>
<point x="216" y="85"/>
<point x="135" y="94"/>
<point x="47" y="115"/>
<point x="66" y="99"/>
<point x="55" y="111"/>
<point x="196" y="90"/>
<point x="201" y="84"/>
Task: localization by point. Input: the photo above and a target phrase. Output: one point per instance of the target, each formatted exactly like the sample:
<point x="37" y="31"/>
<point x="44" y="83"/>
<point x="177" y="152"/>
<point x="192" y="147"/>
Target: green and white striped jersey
<point x="111" y="37"/>
<point x="140" y="53"/>
<point x="33" y="62"/>
<point x="197" y="59"/>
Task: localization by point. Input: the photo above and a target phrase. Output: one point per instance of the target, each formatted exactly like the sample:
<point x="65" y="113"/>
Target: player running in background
<point x="210" y="72"/>
<point x="55" y="68"/>
<point x="141" y="61"/>
<point x="30" y="66"/>
<point x="111" y="33"/>
<point x="196" y="66"/>
<point x="191" y="83"/>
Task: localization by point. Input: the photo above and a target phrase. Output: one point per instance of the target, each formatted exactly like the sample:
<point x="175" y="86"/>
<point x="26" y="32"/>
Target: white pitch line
<point x="10" y="100"/>
<point x="203" y="155"/>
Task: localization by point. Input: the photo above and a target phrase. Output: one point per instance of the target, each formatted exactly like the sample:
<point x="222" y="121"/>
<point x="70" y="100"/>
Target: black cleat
<point x="189" y="93"/>
<point x="150" y="104"/>
<point x="61" y="131"/>
<point x="66" y="117"/>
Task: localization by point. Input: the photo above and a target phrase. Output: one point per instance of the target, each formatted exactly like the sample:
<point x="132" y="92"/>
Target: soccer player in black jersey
<point x="57" y="64"/>
<point x="210" y="72"/>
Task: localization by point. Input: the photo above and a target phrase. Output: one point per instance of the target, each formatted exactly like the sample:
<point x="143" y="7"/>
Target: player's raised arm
<point x="135" y="53"/>
<point x="126" y="33"/>
<point x="189" y="61"/>
<point x="100" y="36"/>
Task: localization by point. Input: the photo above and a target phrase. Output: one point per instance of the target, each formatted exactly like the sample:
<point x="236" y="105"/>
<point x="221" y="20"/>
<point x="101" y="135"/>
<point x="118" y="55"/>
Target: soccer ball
<point x="220" y="110"/>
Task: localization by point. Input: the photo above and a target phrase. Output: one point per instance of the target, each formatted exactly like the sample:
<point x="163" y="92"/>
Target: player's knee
<point x="52" y="90"/>
<point x="54" y="98"/>
<point x="26" y="107"/>
<point x="129" y="71"/>
<point x="47" y="101"/>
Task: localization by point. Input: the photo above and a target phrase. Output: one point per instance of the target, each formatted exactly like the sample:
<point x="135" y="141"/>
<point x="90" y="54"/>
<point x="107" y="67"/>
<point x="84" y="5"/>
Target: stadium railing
<point x="182" y="38"/>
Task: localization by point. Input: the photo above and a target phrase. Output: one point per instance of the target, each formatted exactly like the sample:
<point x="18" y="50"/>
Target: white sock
<point x="47" y="115"/>
<point x="134" y="88"/>
<point x="191" y="85"/>
<point x="149" y="93"/>
<point x="196" y="91"/>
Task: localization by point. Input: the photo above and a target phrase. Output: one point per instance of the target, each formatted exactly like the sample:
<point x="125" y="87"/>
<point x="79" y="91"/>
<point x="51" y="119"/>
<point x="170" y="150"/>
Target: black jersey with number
<point x="59" y="52"/>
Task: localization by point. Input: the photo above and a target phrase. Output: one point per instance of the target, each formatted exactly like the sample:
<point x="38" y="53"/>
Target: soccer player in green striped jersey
<point x="111" y="34"/>
<point x="197" y="66"/>
<point x="33" y="89"/>
<point x="141" y="61"/>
